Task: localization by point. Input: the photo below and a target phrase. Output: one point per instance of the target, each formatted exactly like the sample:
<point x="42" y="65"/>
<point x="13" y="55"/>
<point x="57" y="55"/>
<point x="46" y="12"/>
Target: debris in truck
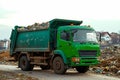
<point x="35" y="26"/>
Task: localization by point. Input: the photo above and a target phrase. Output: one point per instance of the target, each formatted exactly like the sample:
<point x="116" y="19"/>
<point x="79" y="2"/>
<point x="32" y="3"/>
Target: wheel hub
<point x="58" y="65"/>
<point x="23" y="63"/>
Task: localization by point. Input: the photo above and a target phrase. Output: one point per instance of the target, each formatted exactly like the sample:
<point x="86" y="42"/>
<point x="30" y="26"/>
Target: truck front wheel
<point x="82" y="69"/>
<point x="59" y="66"/>
<point x="25" y="64"/>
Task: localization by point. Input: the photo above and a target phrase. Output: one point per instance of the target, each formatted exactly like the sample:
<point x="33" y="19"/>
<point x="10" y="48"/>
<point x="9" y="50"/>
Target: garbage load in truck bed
<point x="36" y="26"/>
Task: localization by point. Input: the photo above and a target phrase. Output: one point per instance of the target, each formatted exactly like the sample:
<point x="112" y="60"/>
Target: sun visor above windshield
<point x="55" y="23"/>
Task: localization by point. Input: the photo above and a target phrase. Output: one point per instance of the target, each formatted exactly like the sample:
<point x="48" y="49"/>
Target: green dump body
<point x="33" y="41"/>
<point x="30" y="41"/>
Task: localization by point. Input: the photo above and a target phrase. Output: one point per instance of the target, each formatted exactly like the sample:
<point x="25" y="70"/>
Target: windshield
<point x="84" y="36"/>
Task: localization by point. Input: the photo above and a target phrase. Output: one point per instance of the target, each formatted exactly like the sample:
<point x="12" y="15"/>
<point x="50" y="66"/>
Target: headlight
<point x="75" y="59"/>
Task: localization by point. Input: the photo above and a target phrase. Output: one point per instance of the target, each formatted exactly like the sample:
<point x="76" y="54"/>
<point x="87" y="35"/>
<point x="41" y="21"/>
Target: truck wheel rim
<point x="58" y="65"/>
<point x="23" y="62"/>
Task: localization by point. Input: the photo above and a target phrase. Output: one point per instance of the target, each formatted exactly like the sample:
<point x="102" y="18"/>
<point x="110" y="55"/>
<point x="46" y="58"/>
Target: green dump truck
<point x="58" y="44"/>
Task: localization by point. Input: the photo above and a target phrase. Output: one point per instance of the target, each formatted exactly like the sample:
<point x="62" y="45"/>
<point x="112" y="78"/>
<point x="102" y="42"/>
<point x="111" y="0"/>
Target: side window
<point x="65" y="36"/>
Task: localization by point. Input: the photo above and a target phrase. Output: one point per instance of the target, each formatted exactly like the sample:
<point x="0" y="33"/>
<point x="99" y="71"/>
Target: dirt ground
<point x="4" y="75"/>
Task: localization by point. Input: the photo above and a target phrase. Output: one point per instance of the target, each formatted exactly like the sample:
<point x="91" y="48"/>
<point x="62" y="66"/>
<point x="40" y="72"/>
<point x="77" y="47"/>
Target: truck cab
<point x="77" y="46"/>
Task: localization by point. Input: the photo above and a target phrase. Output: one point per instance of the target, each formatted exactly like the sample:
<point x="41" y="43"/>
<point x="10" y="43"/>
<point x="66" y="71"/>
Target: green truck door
<point x="65" y="44"/>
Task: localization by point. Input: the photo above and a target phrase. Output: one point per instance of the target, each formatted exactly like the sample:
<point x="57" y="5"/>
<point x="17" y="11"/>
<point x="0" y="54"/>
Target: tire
<point x="82" y="69"/>
<point x="59" y="66"/>
<point x="43" y="67"/>
<point x="25" y="64"/>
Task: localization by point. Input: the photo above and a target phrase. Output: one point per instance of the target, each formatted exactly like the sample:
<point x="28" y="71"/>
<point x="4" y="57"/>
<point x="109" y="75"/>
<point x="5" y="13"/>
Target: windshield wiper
<point x="92" y="42"/>
<point x="83" y="42"/>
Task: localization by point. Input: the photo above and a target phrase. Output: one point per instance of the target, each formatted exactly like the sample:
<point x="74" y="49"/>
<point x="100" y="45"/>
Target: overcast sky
<point x="102" y="15"/>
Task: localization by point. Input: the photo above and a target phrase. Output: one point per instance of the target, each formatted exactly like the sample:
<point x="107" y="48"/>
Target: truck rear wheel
<point x="25" y="64"/>
<point x="59" y="66"/>
<point x="82" y="69"/>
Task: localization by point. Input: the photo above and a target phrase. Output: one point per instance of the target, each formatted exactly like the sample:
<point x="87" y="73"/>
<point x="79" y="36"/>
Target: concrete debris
<point x="6" y="59"/>
<point x="109" y="61"/>
<point x="118" y="72"/>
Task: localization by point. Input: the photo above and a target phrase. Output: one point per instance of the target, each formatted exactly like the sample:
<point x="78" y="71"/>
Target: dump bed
<point x="29" y="41"/>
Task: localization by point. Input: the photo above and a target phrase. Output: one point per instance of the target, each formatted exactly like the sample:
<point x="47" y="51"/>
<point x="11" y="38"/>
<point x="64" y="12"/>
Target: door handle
<point x="69" y="44"/>
<point x="60" y="46"/>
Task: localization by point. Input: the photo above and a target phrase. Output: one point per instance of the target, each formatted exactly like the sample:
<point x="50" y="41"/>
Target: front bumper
<point x="85" y="61"/>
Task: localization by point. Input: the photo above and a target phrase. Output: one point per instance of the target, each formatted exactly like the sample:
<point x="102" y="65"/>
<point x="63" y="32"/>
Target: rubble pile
<point x="109" y="61"/>
<point x="4" y="56"/>
<point x="35" y="26"/>
<point x="6" y="59"/>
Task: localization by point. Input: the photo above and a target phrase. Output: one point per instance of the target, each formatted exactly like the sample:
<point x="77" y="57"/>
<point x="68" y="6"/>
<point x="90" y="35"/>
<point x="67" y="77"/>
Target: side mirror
<point x="100" y="37"/>
<point x="68" y="36"/>
<point x="69" y="43"/>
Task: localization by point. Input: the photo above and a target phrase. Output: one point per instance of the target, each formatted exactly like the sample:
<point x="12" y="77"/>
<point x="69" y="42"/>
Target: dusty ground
<point x="50" y="75"/>
<point x="6" y="75"/>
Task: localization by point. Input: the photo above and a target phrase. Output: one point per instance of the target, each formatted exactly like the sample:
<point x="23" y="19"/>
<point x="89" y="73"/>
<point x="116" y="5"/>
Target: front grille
<point x="87" y="53"/>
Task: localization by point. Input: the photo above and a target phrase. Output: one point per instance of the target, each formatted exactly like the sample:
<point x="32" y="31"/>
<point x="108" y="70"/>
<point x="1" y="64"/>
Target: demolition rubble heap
<point x="109" y="61"/>
<point x="35" y="26"/>
<point x="6" y="59"/>
<point x="4" y="56"/>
